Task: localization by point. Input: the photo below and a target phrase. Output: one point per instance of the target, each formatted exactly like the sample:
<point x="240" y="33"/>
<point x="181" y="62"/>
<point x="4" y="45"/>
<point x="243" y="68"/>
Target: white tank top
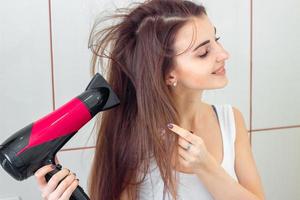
<point x="190" y="186"/>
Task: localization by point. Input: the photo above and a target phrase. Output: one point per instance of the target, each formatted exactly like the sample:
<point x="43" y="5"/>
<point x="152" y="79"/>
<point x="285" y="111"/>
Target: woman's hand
<point x="193" y="155"/>
<point x="53" y="190"/>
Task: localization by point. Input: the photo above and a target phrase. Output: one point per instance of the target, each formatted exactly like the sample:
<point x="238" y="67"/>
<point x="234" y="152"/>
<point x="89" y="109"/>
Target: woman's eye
<point x="203" y="55"/>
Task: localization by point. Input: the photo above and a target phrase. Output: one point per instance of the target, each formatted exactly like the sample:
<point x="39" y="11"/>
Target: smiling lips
<point x="221" y="70"/>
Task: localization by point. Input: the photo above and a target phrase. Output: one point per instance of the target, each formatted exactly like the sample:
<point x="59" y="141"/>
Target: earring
<point x="175" y="83"/>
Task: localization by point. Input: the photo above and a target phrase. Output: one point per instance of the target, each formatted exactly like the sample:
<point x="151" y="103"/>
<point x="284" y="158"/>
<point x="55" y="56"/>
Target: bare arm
<point x="221" y="185"/>
<point x="245" y="166"/>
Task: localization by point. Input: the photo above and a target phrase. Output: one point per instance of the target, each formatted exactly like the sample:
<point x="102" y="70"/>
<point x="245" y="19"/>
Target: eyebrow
<point x="205" y="42"/>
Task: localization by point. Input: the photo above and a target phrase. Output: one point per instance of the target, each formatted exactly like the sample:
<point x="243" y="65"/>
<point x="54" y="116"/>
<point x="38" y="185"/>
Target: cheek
<point x="196" y="80"/>
<point x="193" y="76"/>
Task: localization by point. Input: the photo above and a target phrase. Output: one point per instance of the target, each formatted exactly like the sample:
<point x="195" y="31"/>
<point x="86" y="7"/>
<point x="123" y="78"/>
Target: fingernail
<point x="59" y="166"/>
<point x="53" y="166"/>
<point x="170" y="125"/>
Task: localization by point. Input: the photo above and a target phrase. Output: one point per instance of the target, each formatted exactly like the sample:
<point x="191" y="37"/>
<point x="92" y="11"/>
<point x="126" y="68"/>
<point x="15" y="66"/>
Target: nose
<point x="222" y="54"/>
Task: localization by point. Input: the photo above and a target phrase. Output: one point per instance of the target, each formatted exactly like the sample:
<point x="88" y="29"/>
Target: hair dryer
<point x="36" y="144"/>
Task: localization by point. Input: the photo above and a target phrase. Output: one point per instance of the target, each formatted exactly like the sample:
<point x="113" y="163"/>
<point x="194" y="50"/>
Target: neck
<point x="191" y="108"/>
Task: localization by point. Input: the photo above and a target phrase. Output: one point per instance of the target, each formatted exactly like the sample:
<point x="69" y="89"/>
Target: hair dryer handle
<point x="78" y="193"/>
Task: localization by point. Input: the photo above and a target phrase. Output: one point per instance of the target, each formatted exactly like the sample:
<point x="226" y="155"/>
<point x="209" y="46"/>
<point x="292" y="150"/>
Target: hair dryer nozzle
<point x="98" y="83"/>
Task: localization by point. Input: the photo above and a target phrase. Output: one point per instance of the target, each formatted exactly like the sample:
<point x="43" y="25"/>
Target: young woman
<point x="163" y="141"/>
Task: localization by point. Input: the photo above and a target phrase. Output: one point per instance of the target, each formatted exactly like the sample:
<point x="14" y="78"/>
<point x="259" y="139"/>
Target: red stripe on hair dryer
<point x="36" y="145"/>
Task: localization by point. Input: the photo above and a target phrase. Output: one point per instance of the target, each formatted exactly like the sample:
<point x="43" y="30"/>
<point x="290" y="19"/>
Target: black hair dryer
<point x="36" y="145"/>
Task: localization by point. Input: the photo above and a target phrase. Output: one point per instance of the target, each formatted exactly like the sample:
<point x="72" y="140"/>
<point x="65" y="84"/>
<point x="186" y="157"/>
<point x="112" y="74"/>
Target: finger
<point x="182" y="152"/>
<point x="56" y="160"/>
<point x="184" y="133"/>
<point x="40" y="174"/>
<point x="183" y="142"/>
<point x="182" y="161"/>
<point x="62" y="186"/>
<point x="54" y="181"/>
<point x="68" y="192"/>
<point x="179" y="166"/>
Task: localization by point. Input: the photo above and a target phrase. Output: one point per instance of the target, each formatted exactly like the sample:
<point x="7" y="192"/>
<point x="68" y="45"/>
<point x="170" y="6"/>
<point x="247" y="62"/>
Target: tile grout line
<point x="251" y="131"/>
<point x="251" y="77"/>
<point x="276" y="128"/>
<point x="51" y="56"/>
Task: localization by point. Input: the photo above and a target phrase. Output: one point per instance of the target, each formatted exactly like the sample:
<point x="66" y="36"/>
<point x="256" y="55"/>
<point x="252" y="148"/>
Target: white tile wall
<point x="10" y="198"/>
<point x="276" y="43"/>
<point x="25" y="78"/>
<point x="277" y="157"/>
<point x="25" y="82"/>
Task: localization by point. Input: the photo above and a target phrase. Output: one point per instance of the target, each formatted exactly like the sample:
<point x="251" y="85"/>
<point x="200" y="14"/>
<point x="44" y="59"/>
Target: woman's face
<point x="193" y="69"/>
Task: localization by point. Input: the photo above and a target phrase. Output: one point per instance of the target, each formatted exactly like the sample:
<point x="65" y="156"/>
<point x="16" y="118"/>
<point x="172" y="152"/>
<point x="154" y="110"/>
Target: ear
<point x="170" y="78"/>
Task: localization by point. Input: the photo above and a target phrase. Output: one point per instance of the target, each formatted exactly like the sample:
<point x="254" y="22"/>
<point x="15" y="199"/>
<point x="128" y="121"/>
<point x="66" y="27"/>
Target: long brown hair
<point x="140" y="54"/>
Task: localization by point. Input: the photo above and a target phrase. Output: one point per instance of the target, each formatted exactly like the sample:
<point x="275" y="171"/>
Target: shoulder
<point x="241" y="132"/>
<point x="239" y="118"/>
<point x="237" y="113"/>
<point x="245" y="166"/>
<point x="243" y="149"/>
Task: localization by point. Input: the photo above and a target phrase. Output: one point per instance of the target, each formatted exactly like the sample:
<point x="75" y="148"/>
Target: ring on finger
<point x="189" y="146"/>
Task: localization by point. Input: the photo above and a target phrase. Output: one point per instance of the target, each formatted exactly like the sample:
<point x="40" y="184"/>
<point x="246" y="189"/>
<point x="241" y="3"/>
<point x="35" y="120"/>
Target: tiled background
<point x="45" y="61"/>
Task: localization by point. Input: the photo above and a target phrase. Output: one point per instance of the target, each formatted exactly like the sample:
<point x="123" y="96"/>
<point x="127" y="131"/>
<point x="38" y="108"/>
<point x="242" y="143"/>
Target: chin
<point x="225" y="83"/>
<point x="221" y="83"/>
